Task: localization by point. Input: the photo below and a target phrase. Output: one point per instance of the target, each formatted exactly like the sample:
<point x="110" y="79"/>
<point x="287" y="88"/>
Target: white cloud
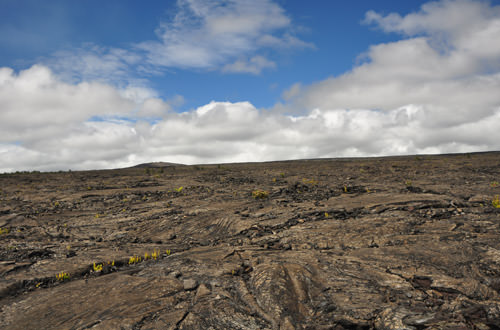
<point x="417" y="95"/>
<point x="209" y="34"/>
<point x="448" y="67"/>
<point x="463" y="17"/>
<point x="228" y="132"/>
<point x="456" y="27"/>
<point x="255" y="65"/>
<point x="225" y="35"/>
<point x="36" y="105"/>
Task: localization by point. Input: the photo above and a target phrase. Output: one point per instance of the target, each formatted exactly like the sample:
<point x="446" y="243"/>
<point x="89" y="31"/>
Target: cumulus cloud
<point x="468" y="30"/>
<point x="209" y="35"/>
<point x="39" y="111"/>
<point x="426" y="93"/>
<point x="447" y="68"/>
<point x="229" y="132"/>
<point x="36" y="105"/>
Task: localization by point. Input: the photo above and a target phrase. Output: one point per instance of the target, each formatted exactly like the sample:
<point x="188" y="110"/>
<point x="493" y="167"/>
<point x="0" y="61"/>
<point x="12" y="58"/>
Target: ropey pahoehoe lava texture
<point x="368" y="243"/>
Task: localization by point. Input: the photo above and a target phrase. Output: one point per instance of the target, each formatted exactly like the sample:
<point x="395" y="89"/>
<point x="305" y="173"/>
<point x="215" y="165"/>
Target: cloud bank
<point x="433" y="91"/>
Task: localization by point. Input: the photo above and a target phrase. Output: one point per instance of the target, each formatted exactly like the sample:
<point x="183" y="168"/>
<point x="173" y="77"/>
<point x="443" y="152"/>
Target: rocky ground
<point x="380" y="243"/>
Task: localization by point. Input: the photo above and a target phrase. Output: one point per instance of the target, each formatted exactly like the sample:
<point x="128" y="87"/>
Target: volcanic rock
<point x="368" y="243"/>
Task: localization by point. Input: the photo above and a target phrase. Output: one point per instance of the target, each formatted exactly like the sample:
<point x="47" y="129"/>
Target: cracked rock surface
<point x="369" y="243"/>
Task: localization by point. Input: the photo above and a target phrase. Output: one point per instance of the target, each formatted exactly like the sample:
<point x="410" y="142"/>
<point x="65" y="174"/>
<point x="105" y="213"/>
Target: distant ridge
<point x="156" y="165"/>
<point x="477" y="153"/>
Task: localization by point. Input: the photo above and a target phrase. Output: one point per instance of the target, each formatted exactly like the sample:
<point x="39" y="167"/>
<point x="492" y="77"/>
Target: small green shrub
<point x="260" y="194"/>
<point x="134" y="260"/>
<point x="62" y="276"/>
<point x="496" y="202"/>
<point x="156" y="254"/>
<point x="97" y="268"/>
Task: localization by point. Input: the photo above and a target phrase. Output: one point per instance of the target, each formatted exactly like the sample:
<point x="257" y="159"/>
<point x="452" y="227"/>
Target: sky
<point x="106" y="84"/>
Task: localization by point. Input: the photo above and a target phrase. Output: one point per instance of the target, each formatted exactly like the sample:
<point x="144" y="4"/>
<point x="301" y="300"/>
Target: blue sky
<point x="33" y="31"/>
<point x="98" y="84"/>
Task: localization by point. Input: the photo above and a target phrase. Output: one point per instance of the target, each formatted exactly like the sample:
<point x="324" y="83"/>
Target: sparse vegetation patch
<point x="260" y="194"/>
